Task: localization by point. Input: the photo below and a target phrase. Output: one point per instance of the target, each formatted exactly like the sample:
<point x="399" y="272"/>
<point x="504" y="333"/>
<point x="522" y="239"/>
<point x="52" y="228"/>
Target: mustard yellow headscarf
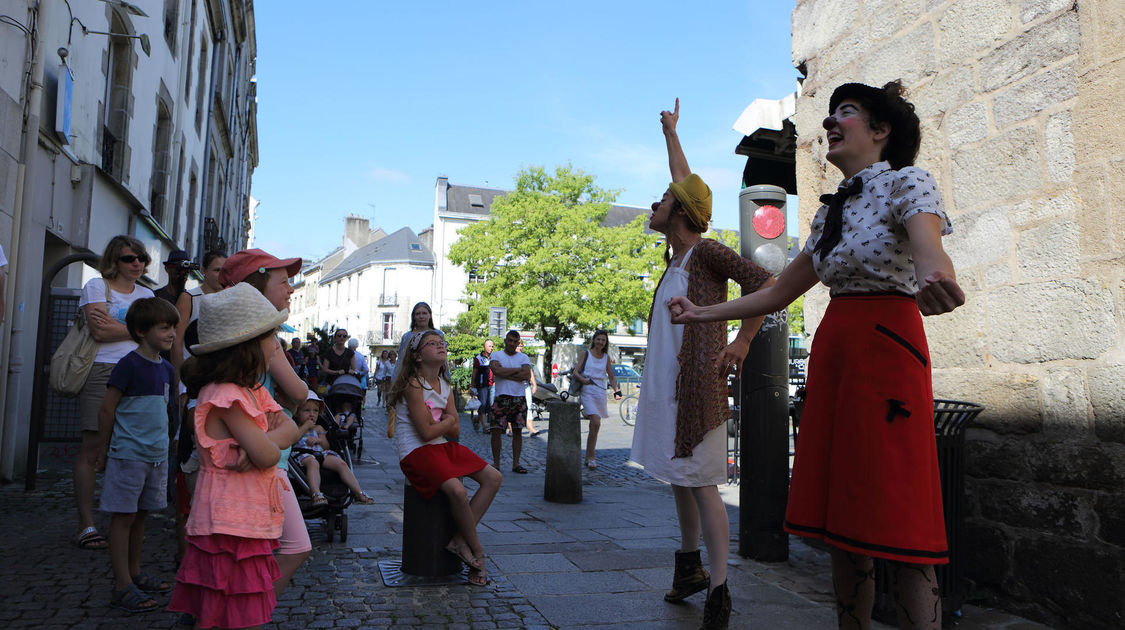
<point x="695" y="197"/>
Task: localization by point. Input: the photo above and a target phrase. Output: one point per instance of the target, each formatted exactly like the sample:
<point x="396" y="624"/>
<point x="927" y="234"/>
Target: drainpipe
<point x="16" y="290"/>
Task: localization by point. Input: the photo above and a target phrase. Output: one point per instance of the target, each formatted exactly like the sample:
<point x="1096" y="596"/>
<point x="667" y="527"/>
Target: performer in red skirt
<point x="425" y="415"/>
<point x="865" y="475"/>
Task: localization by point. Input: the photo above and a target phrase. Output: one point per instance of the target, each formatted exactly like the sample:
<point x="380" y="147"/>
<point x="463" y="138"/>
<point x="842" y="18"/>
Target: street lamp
<point x="146" y="45"/>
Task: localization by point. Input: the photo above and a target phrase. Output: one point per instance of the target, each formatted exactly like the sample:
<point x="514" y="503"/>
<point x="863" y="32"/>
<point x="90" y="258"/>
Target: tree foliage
<point x="544" y="254"/>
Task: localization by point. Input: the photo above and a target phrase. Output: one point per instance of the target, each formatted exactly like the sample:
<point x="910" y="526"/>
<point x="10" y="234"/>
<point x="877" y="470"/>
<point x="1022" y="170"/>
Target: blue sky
<point x="362" y="105"/>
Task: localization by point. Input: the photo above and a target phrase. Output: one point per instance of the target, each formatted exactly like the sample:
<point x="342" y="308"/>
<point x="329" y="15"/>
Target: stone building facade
<point x="1020" y="107"/>
<point x="116" y="117"/>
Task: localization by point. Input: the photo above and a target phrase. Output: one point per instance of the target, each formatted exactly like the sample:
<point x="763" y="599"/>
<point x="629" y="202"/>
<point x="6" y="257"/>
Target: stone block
<point x="835" y="61"/>
<point x="1109" y="22"/>
<point x="1086" y="582"/>
<point x="1064" y="205"/>
<point x="1007" y="166"/>
<point x="979" y="238"/>
<point x="1042" y="509"/>
<point x="1048" y="321"/>
<point x="1031" y="9"/>
<point x="987" y="552"/>
<point x="1049" y="251"/>
<point x="967" y="124"/>
<point x="1108" y="401"/>
<point x="1041" y="46"/>
<point x="1011" y="400"/>
<point x="955" y="339"/>
<point x="997" y="458"/>
<point x="1081" y="464"/>
<point x="909" y="57"/>
<point x="945" y="91"/>
<point x="818" y="23"/>
<point x="1039" y="92"/>
<point x="1066" y="406"/>
<point x="997" y="275"/>
<point x="969" y="27"/>
<point x="1098" y="124"/>
<point x="1110" y="510"/>
<point x="1060" y="147"/>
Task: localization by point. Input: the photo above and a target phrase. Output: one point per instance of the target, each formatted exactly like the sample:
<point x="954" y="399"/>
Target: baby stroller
<point x="544" y="393"/>
<point x="348" y="387"/>
<point x="338" y="496"/>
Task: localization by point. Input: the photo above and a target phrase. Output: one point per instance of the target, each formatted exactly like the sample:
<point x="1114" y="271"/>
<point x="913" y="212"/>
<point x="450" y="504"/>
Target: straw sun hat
<point x="232" y="316"/>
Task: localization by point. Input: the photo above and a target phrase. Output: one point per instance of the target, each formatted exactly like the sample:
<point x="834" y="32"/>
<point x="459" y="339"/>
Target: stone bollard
<point x="562" y="482"/>
<point x="427" y="525"/>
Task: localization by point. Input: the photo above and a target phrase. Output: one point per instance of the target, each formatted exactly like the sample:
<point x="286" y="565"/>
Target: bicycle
<point x="628" y="409"/>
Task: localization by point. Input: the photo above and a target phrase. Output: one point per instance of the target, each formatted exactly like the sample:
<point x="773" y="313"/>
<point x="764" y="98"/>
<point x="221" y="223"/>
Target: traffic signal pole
<point x="764" y="390"/>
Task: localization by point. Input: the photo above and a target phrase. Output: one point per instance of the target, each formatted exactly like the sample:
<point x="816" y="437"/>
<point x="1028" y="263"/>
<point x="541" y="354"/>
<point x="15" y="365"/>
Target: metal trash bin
<point x="951" y="418"/>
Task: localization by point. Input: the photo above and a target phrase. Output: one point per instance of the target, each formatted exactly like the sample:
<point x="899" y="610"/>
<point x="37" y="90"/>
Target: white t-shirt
<point x="507" y="386"/>
<point x="119" y="303"/>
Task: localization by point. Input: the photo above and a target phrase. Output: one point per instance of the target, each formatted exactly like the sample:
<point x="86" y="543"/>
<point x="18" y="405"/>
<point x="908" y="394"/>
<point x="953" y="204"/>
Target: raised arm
<point x="938" y="291"/>
<point x="677" y="161"/>
<point x="797" y="278"/>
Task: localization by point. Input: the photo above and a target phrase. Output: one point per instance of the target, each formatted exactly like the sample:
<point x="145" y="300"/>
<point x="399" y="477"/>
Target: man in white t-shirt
<point x="510" y="369"/>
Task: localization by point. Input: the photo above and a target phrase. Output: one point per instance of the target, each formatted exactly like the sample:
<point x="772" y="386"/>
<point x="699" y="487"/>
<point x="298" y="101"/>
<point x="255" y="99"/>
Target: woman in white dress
<point x="594" y="367"/>
<point x="680" y="437"/>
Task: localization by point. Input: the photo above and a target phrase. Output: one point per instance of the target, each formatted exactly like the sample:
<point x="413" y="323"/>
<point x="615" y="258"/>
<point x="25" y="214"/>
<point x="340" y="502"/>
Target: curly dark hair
<point x="886" y="105"/>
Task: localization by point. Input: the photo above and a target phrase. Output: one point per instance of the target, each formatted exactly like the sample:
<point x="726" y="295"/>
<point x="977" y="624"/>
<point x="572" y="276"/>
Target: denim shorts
<point x="131" y="486"/>
<point x="486" y="395"/>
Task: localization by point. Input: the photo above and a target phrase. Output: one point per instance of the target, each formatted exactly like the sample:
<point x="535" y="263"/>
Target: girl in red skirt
<point x="420" y="401"/>
<point x="865" y="474"/>
<point x="226" y="578"/>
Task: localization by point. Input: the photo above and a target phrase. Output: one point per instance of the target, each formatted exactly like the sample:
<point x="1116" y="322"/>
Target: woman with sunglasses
<point x="339" y="359"/>
<point x="104" y="302"/>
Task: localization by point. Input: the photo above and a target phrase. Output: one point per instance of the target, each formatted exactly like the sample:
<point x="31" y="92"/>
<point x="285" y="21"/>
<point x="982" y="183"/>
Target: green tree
<point x="545" y="255"/>
<point x="797" y="316"/>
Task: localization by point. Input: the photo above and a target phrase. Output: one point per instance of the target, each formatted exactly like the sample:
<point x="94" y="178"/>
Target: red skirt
<point x="227" y="581"/>
<point x="865" y="474"/>
<point x="430" y="465"/>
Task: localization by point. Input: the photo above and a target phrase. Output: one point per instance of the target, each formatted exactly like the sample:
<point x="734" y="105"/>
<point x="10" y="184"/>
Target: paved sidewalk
<point x="602" y="563"/>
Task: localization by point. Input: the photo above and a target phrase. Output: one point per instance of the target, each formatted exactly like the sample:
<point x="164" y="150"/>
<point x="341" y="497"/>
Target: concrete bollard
<point x="427" y="525"/>
<point x="562" y="482"/>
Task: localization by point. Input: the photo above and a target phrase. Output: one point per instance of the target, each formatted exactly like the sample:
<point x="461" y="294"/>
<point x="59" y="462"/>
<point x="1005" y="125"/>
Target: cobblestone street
<point x="601" y="563"/>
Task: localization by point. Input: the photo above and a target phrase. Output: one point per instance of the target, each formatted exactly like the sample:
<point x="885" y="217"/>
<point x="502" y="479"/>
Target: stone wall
<point x="1020" y="105"/>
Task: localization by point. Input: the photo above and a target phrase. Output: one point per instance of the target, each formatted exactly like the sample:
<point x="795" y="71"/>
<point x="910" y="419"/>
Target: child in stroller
<point x="320" y="472"/>
<point x="345" y="402"/>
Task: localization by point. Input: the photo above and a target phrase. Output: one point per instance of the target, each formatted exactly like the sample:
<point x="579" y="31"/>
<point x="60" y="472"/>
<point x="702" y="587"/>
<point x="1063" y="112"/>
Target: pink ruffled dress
<point x="227" y="573"/>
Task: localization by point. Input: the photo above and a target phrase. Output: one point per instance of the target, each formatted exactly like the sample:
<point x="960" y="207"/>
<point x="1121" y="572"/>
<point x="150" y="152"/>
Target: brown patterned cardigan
<point x="701" y="392"/>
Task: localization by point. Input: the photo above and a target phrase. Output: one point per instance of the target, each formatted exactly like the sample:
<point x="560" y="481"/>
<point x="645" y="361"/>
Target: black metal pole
<point x="41" y="367"/>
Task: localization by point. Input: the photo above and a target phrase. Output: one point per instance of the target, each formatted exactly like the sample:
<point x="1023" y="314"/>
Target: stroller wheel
<point x="329" y="526"/>
<point x="343" y="527"/>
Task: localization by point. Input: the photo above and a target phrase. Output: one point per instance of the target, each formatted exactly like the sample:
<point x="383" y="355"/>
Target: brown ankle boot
<point x="716" y="612"/>
<point x="690" y="578"/>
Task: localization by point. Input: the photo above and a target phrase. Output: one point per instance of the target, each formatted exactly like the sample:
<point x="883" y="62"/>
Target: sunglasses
<point x="341" y="334"/>
<point x="132" y="258"/>
<point x="438" y="344"/>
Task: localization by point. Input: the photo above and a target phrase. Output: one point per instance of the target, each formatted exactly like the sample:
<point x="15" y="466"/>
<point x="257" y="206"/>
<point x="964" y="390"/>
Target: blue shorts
<point x="131" y="486"/>
<point x="486" y="395"/>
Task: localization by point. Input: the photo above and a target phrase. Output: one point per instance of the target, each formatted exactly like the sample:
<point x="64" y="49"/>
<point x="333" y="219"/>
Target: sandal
<point x="465" y="555"/>
<point x="319" y="499"/>
<point x="150" y="584"/>
<point x="132" y="600"/>
<point x="519" y="469"/>
<point x="90" y="538"/>
<point x="363" y="499"/>
<point x="592" y="464"/>
<point x="479" y="577"/>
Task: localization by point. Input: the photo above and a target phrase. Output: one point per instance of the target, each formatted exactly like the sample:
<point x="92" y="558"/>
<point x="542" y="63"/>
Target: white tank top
<point x="594" y="369"/>
<point x="406" y="436"/>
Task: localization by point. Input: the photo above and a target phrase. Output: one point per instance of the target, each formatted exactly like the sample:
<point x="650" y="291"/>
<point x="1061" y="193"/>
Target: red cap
<point x="242" y="264"/>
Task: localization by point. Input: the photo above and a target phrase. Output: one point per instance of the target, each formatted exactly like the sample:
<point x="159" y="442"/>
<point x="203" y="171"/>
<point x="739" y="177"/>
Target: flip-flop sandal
<point x="132" y="600"/>
<point x="465" y="555"/>
<point x="479" y="577"/>
<point x="150" y="584"/>
<point x="90" y="538"/>
<point x="319" y="499"/>
<point x="363" y="499"/>
<point x="519" y="469"/>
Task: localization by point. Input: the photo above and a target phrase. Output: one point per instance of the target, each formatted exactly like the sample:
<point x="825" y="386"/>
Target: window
<point x="192" y="211"/>
<point x="388" y="325"/>
<point x="171" y="17"/>
<point x="191" y="53"/>
<point x="161" y="164"/>
<point x="476" y="201"/>
<point x="119" y="79"/>
<point x="201" y="90"/>
<point x="177" y="232"/>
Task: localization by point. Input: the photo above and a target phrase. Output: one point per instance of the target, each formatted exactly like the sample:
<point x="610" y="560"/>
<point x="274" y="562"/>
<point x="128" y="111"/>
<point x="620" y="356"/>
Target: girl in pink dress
<point x="421" y="401"/>
<point x="228" y="571"/>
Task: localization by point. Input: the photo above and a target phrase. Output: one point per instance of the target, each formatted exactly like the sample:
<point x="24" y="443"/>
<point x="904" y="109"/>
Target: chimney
<point x="357" y="230"/>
